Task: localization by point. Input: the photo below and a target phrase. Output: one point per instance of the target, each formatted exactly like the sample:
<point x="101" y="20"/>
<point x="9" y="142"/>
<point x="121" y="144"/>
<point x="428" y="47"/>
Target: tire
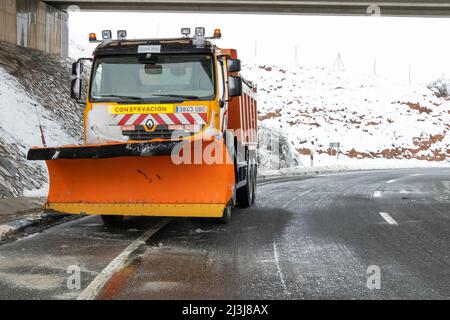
<point x="245" y="193"/>
<point x="226" y="215"/>
<point x="112" y="220"/>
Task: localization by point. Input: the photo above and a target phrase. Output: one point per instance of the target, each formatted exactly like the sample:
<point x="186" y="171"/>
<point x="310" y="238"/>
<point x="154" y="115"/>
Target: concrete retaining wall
<point x="34" y="24"/>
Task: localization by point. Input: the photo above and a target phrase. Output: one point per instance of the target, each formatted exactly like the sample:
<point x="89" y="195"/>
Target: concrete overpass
<point x="343" y="7"/>
<point x="43" y="24"/>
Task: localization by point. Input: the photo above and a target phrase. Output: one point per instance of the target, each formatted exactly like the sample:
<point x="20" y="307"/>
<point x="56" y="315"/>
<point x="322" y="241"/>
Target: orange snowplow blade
<point x="137" y="185"/>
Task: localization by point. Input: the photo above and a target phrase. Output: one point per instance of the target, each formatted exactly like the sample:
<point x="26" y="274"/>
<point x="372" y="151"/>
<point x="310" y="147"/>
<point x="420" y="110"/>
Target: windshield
<point x="155" y="77"/>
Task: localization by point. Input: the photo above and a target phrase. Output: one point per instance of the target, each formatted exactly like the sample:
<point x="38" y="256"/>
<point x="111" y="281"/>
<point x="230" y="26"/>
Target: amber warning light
<point x="92" y="37"/>
<point x="217" y="33"/>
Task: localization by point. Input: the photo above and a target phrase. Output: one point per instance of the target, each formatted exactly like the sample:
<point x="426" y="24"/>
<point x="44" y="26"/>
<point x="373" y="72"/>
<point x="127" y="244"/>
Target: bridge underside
<point x="343" y="7"/>
<point x="43" y="24"/>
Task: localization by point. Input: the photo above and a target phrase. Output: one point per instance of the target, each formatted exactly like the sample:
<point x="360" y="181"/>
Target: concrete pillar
<point x="2" y="19"/>
<point x="8" y="20"/>
<point x="34" y="24"/>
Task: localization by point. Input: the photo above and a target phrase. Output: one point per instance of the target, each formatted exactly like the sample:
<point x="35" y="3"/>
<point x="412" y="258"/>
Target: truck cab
<point x="141" y="90"/>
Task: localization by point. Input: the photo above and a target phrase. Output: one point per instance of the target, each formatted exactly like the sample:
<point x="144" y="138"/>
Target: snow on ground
<point x="19" y="120"/>
<point x="37" y="193"/>
<point x="19" y="124"/>
<point x="376" y="121"/>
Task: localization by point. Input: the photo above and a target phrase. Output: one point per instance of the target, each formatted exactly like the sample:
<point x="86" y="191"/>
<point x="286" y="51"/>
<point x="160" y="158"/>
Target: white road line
<point x="280" y="274"/>
<point x="377" y="194"/>
<point x="296" y="197"/>
<point x="94" y="288"/>
<point x="390" y="181"/>
<point x="388" y="218"/>
<point x="415" y="174"/>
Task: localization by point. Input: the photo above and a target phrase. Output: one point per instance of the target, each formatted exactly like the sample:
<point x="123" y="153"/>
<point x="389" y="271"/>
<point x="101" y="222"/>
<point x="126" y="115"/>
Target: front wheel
<point x="112" y="220"/>
<point x="226" y="215"/>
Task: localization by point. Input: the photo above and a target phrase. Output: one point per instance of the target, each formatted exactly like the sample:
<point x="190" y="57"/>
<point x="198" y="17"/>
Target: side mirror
<point x="234" y="86"/>
<point x="77" y="68"/>
<point x="75" y="89"/>
<point x="234" y="65"/>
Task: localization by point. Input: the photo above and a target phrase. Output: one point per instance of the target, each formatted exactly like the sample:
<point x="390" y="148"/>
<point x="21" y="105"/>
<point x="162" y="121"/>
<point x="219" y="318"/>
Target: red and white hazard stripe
<point x="161" y="118"/>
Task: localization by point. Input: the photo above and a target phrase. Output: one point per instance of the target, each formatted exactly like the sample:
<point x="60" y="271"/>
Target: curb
<point x="326" y="170"/>
<point x="293" y="175"/>
<point x="303" y="174"/>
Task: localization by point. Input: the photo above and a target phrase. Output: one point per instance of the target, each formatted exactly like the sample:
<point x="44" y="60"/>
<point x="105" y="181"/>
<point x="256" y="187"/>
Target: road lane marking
<point x="377" y="194"/>
<point x="121" y="261"/>
<point x="296" y="197"/>
<point x="280" y="274"/>
<point x="446" y="184"/>
<point x="388" y="218"/>
<point x="415" y="174"/>
<point x="390" y="181"/>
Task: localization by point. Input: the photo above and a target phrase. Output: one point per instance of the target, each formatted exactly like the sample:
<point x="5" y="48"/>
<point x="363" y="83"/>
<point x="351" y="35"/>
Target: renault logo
<point x="149" y="123"/>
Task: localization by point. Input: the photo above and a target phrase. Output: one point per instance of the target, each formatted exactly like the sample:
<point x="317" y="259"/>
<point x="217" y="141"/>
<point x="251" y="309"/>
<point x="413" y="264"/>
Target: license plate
<point x="191" y="109"/>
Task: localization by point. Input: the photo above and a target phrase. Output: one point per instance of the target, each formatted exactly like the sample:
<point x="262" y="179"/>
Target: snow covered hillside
<point x="372" y="119"/>
<point x="32" y="84"/>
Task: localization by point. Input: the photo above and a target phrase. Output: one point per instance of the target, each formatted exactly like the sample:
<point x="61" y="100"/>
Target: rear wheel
<point x="111" y="220"/>
<point x="245" y="193"/>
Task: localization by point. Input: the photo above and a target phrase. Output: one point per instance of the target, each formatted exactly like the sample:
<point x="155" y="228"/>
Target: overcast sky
<point x="395" y="43"/>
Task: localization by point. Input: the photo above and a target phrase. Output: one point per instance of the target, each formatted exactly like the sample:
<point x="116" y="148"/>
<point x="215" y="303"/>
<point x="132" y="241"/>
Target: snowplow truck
<point x="170" y="129"/>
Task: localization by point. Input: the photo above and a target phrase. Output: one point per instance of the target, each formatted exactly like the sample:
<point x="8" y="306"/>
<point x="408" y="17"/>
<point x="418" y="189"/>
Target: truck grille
<point x="140" y="134"/>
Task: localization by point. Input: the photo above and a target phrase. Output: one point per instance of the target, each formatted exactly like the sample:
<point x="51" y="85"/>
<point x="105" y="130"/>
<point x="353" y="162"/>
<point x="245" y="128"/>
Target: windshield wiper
<point x="122" y="97"/>
<point x="176" y="96"/>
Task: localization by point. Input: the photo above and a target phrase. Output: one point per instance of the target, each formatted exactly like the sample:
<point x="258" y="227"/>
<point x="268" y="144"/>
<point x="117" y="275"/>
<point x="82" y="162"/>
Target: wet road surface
<point x="309" y="238"/>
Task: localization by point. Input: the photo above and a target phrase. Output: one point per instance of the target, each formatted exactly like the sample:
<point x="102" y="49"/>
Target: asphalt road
<point x="318" y="238"/>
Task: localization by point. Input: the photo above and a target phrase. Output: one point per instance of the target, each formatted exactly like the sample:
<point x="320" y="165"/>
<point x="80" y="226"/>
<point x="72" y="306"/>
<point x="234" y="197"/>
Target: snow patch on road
<point x="377" y="194"/>
<point x="32" y="281"/>
<point x="207" y="231"/>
